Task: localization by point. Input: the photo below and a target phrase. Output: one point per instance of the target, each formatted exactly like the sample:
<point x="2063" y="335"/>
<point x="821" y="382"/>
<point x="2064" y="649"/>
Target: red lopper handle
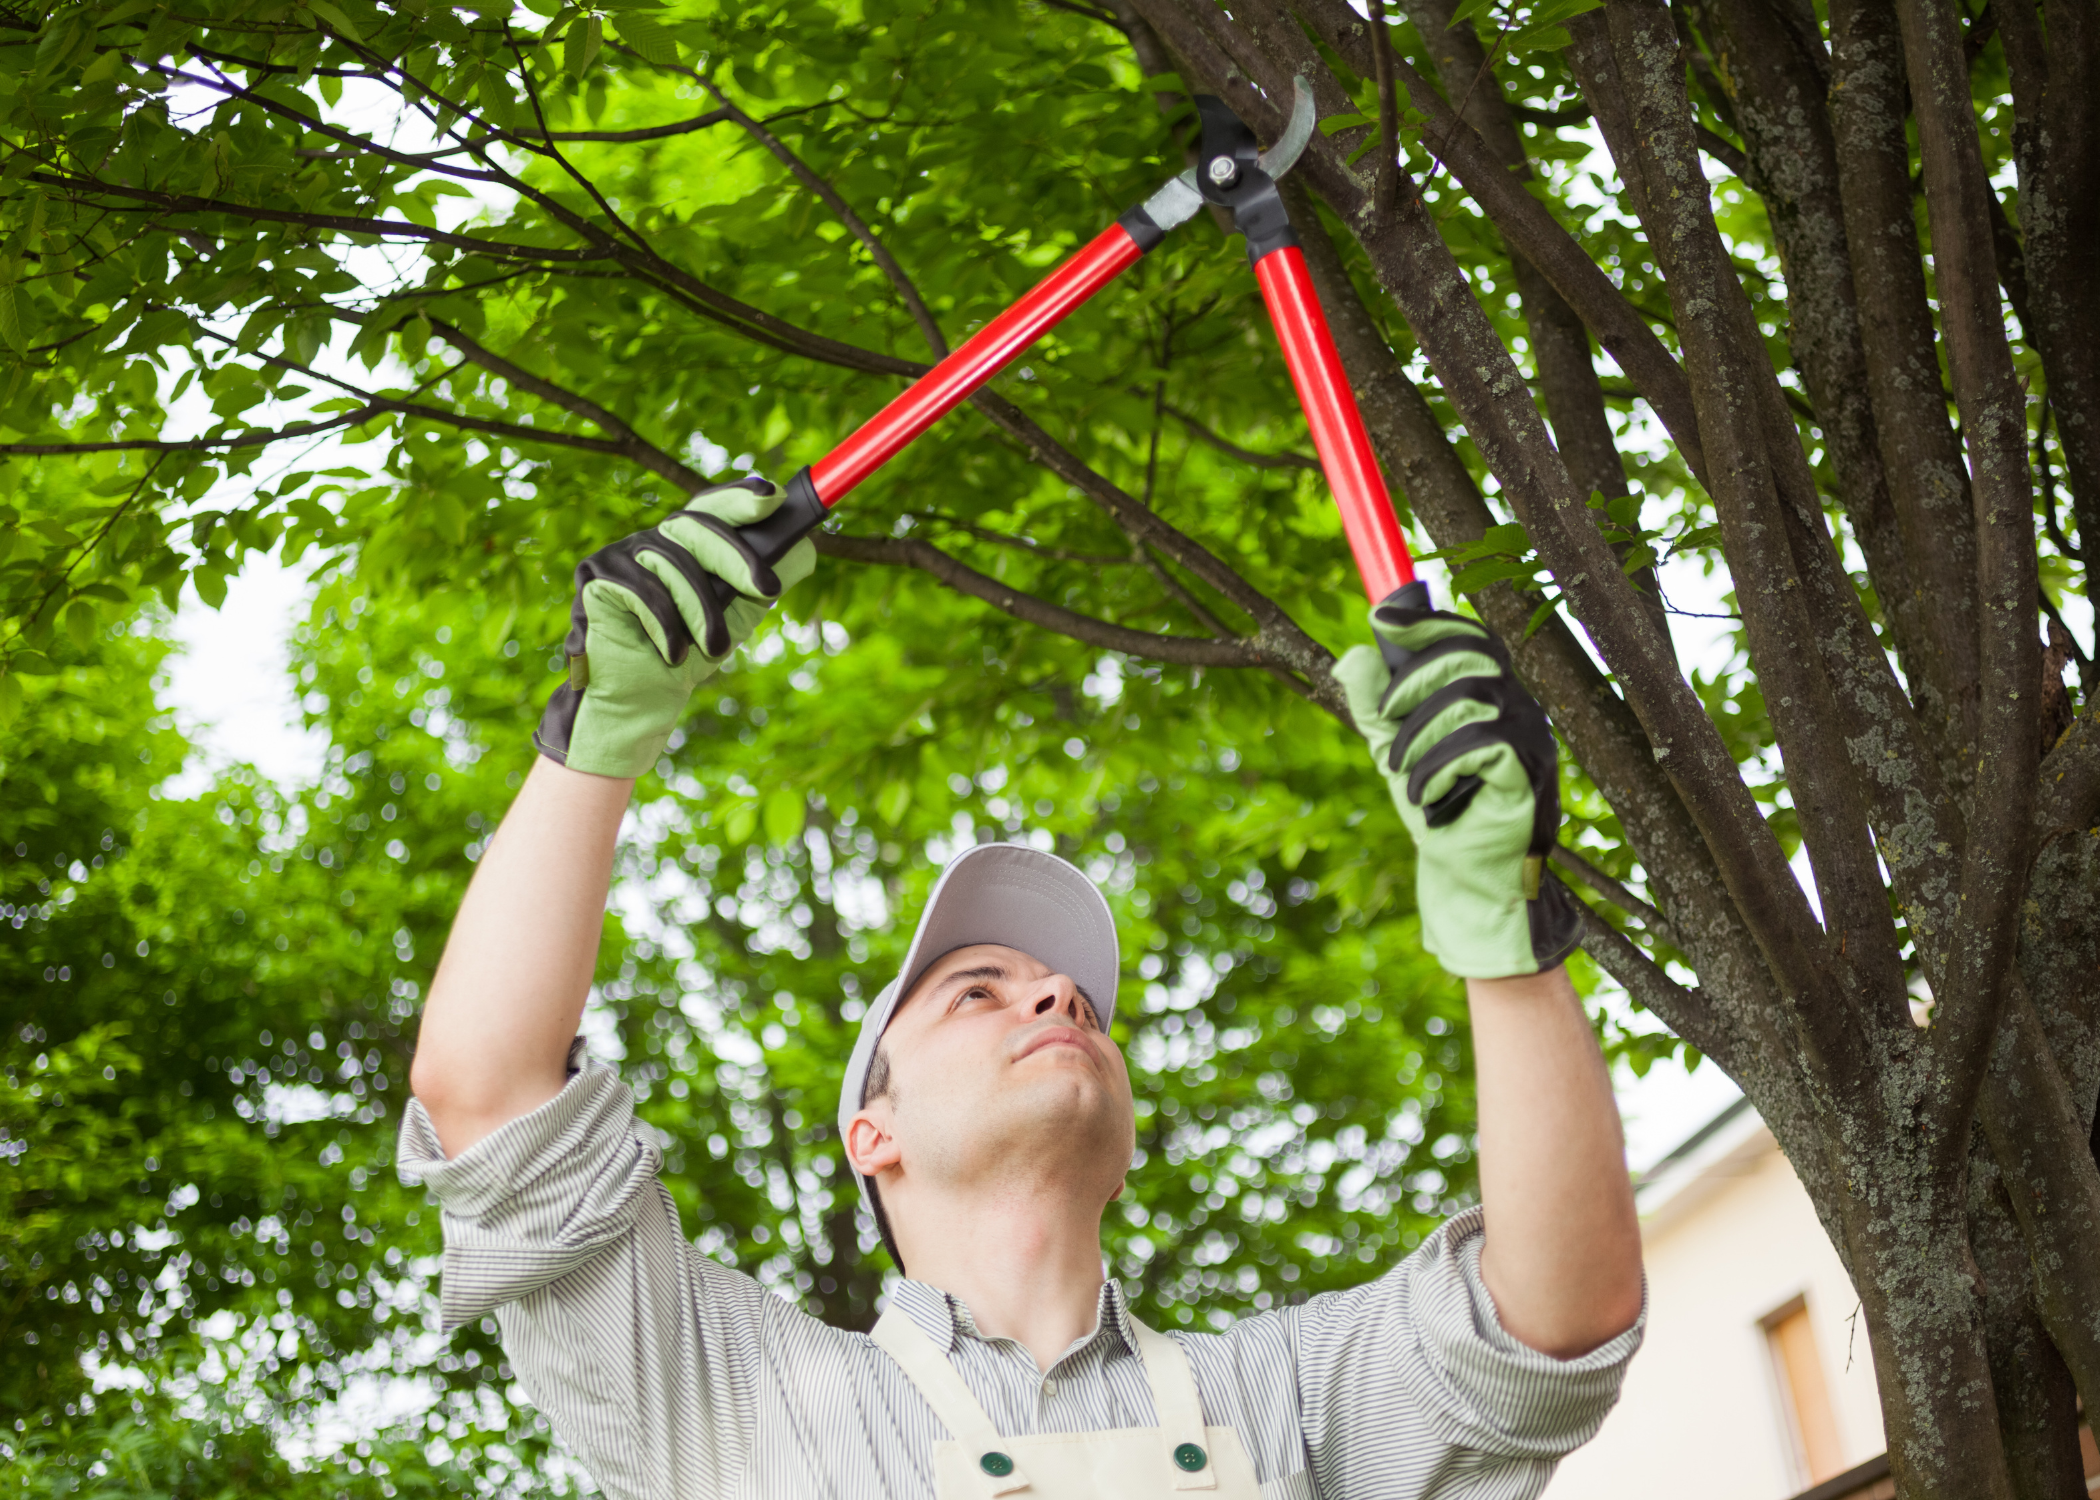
<point x="1337" y="427"/>
<point x="986" y="352"/>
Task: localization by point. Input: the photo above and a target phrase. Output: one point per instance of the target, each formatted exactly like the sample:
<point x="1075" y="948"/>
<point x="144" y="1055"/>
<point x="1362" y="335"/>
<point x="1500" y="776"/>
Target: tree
<point x="699" y="238"/>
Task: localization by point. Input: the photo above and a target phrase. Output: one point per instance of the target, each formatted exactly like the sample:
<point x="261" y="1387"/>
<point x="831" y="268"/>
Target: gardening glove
<point x="1474" y="771"/>
<point x="654" y="616"/>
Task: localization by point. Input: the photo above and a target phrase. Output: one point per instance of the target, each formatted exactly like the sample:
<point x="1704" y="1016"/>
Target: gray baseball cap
<point x="1007" y="894"/>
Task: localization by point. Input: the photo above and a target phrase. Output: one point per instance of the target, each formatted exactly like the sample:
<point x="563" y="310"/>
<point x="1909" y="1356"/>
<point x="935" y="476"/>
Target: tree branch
<point x="1727" y="153"/>
<point x="632" y="443"/>
<point x="909" y="552"/>
<point x="1619" y="57"/>
<point x="1526" y="225"/>
<point x="1681" y="1009"/>
<point x="1921" y="456"/>
<point x="1276" y="633"/>
<point x="2069" y="779"/>
<point x="1020" y="543"/>
<point x="1610" y="888"/>
<point x="907" y="291"/>
<point x="1994" y="427"/>
<point x="363" y="145"/>
<point x="1247" y="456"/>
<point x="252" y="437"/>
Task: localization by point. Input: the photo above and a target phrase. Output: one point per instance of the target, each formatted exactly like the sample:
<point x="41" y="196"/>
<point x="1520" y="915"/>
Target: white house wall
<point x="1729" y="1238"/>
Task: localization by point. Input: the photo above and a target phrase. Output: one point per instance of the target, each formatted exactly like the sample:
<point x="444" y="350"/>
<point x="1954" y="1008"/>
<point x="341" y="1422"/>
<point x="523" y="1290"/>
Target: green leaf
<point x="10" y="698"/>
<point x="581" y="45"/>
<point x="102" y="67"/>
<point x="80" y="623"/>
<point x="211" y="584"/>
<point x="1334" y="124"/>
<point x="648" y="37"/>
<point x="1540" y="39"/>
<point x="334" y="17"/>
<point x="1478" y="576"/>
<point x="1509" y="539"/>
<point x="786" y="810"/>
<point x="11" y="322"/>
<point x="741" y="823"/>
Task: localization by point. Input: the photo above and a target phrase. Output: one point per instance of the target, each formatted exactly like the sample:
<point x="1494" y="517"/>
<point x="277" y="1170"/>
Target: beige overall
<point x="1180" y="1456"/>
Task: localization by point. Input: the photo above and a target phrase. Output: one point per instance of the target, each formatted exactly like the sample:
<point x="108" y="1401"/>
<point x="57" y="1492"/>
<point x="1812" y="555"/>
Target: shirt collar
<point x="945" y="1319"/>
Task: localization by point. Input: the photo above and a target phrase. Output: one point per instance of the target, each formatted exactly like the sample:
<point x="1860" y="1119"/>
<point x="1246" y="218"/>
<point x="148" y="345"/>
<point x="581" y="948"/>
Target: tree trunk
<point x="2037" y="1401"/>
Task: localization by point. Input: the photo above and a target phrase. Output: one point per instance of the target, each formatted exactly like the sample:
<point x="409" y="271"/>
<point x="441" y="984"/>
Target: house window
<point x="1803" y="1395"/>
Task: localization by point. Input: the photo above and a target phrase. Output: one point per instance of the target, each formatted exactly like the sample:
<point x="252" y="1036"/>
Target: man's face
<point x="1000" y="1071"/>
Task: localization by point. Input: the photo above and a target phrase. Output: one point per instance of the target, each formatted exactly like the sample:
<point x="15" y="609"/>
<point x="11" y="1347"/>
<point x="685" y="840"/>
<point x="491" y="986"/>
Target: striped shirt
<point x="676" y="1378"/>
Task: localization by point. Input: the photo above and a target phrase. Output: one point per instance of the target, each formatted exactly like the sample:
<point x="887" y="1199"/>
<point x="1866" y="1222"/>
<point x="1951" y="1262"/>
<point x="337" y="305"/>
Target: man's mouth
<point x="1057" y="1036"/>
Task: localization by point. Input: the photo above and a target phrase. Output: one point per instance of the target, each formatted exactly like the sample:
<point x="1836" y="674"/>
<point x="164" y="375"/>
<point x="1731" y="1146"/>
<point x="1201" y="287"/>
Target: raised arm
<point x="1563" y="1248"/>
<point x="517" y="968"/>
<point x="654" y="615"/>
<point x="1473" y="769"/>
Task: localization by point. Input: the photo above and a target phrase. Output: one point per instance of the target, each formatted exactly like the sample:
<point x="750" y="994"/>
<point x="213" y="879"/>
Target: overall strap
<point x="928" y="1369"/>
<point x="1179" y="1410"/>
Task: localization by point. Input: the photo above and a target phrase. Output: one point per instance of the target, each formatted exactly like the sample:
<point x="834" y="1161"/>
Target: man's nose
<point x="1061" y="997"/>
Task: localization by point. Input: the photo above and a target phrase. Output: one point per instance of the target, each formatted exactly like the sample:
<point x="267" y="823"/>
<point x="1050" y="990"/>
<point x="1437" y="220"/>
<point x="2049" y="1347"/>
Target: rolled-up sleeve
<point x="626" y="1337"/>
<point x="1423" y="1347"/>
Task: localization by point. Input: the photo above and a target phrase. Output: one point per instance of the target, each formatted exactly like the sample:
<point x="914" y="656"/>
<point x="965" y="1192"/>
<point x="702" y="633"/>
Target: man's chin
<point x="1052" y="1108"/>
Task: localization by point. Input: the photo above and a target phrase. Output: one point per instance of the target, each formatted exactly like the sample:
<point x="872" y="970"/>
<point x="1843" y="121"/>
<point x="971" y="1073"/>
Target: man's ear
<point x="871" y="1145"/>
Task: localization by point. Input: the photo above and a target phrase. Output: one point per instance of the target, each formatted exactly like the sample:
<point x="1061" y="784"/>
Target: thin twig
<point x="2047" y="484"/>
<point x="532" y="95"/>
<point x="1385" y="183"/>
<point x="1640" y="976"/>
<point x="1084" y="10"/>
<point x="1612" y="890"/>
<point x="87" y="549"/>
<point x="1247" y="456"/>
<point x="639" y="448"/>
<point x="907" y="291"/>
<point x="1020" y="543"/>
<point x="910" y="552"/>
<point x="1458" y="111"/>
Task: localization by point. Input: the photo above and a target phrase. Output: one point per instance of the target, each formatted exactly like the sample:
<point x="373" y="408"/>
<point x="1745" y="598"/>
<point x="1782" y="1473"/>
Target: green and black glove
<point x="655" y="615"/>
<point x="1474" y="770"/>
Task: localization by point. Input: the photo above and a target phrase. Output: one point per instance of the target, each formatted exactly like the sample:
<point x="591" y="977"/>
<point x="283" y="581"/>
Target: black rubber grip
<point x="1140" y="227"/>
<point x="799" y="514"/>
<point x="1414" y="599"/>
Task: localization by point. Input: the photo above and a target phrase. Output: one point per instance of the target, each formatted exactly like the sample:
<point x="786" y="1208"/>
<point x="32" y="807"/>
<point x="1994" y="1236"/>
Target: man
<point x="988" y="1115"/>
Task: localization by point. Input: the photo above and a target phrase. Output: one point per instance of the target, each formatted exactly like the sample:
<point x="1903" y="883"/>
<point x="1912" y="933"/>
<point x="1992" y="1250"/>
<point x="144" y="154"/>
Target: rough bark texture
<point x="1946" y="1162"/>
<point x="2037" y="1402"/>
<point x="2057" y="146"/>
<point x="1922" y="457"/>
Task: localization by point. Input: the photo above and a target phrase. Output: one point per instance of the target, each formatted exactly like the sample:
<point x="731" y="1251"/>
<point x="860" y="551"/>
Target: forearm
<point x="517" y="968"/>
<point x="1563" y="1251"/>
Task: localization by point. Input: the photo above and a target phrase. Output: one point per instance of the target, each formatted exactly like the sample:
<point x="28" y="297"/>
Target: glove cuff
<point x="1556" y="924"/>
